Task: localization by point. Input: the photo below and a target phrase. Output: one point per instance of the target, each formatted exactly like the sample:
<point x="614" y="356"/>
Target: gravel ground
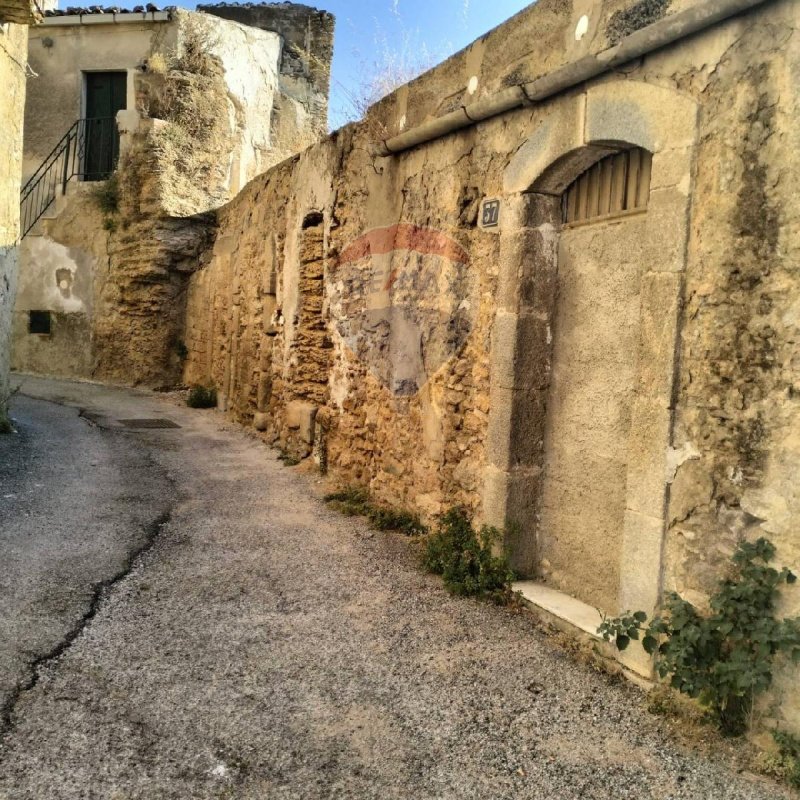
<point x="265" y="647"/>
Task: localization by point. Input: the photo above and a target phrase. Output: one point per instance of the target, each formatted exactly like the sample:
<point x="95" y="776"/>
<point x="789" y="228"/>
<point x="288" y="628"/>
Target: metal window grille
<point x="614" y="185"/>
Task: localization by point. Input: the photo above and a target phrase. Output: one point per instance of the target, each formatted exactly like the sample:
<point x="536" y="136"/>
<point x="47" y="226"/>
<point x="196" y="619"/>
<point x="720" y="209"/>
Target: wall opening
<point x="615" y="185"/>
<point x="39" y="322"/>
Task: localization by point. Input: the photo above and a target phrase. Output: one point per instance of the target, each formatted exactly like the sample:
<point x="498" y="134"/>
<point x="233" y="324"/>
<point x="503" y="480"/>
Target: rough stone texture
<point x="200" y="123"/>
<point x="445" y="336"/>
<point x="14" y="47"/>
<point x="306" y="53"/>
<point x="737" y="409"/>
<point x="19" y="12"/>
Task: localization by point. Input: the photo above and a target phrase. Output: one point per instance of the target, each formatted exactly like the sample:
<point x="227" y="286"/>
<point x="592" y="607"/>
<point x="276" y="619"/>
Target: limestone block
<point x="504" y="338"/>
<point x="664" y="246"/>
<point x="520" y="351"/>
<point x="641" y="114"/>
<point x="527" y="267"/>
<point x="300" y="416"/>
<point x="559" y="132"/>
<point x="495" y="496"/>
<point x="658" y="336"/>
<point x="648" y="444"/>
<point x="672" y="169"/>
<point x="640" y="562"/>
<point x="261" y="421"/>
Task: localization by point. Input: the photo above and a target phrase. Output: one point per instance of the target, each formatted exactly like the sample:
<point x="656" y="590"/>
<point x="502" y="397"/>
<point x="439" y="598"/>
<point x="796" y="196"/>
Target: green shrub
<point x="724" y="658"/>
<point x="789" y="750"/>
<point x="354" y="501"/>
<point x="202" y="397"/>
<point x="106" y="195"/>
<point x="466" y="559"/>
<point x="388" y="519"/>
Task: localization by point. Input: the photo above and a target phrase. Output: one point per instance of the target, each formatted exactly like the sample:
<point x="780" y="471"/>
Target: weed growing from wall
<point x="724" y="658"/>
<point x="202" y="397"/>
<point x="466" y="559"/>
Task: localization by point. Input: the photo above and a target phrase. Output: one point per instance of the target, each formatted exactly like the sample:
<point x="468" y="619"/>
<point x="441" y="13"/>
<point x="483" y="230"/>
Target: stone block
<point x="261" y="421"/>
<point x="300" y="416"/>
<point x="648" y="445"/>
<point x="640" y="576"/>
<point x="558" y="132"/>
<point x="664" y="245"/>
<point x="658" y="336"/>
<point x="653" y="117"/>
<point x="672" y="169"/>
<point x="504" y="338"/>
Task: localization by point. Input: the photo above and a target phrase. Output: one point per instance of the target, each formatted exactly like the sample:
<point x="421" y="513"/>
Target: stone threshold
<point x="573" y="615"/>
<point x="567" y="608"/>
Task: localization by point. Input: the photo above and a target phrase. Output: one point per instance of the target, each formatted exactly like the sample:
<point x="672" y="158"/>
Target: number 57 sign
<point x="490" y="214"/>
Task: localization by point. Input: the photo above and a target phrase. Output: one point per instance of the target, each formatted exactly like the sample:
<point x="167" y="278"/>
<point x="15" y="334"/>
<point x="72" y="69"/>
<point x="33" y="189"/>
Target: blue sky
<point x="400" y="36"/>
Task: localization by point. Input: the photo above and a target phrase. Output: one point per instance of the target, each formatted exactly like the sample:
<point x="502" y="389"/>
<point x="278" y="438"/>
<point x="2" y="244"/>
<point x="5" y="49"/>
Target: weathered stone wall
<point x="737" y="428"/>
<point x="305" y="65"/>
<point x="450" y="344"/>
<point x="13" y="57"/>
<point x="199" y="123"/>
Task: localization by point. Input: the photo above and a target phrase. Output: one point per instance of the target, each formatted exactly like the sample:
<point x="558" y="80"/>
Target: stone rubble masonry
<point x="13" y="58"/>
<point x="19" y="12"/>
<point x="194" y="132"/>
<point x="644" y="368"/>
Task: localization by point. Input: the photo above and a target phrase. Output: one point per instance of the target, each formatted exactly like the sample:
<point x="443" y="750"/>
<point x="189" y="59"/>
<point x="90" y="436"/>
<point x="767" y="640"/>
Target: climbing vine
<point x="723" y="658"/>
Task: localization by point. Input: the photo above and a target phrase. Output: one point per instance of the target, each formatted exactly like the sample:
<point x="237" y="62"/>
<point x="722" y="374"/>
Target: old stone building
<point x="554" y="280"/>
<point x="15" y="16"/>
<point x="190" y="106"/>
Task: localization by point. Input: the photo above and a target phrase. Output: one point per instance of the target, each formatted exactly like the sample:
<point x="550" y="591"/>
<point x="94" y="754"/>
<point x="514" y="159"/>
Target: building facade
<point x="190" y="107"/>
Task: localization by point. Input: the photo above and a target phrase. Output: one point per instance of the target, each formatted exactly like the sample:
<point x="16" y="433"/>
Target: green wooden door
<point x="106" y="94"/>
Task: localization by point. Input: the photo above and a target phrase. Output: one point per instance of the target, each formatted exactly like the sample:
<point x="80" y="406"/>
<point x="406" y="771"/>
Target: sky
<point x="400" y="37"/>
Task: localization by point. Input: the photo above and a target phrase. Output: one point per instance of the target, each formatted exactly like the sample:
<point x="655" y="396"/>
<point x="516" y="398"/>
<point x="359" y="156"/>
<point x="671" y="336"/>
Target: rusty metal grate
<point x="148" y="423"/>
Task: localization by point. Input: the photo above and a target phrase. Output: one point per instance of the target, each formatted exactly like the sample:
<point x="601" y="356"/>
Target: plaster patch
<point x="678" y="457"/>
<point x="472" y="86"/>
<point x="582" y="28"/>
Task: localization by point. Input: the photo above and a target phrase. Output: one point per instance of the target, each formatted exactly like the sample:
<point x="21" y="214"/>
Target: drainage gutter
<point x="640" y="43"/>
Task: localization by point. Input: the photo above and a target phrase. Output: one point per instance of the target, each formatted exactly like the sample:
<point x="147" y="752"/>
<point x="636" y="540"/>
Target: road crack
<point x="100" y="591"/>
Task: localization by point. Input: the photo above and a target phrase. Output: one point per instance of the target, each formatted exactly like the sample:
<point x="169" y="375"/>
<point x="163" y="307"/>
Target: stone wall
<point x="305" y="66"/>
<point x="203" y="100"/>
<point x="13" y="58"/>
<point x="625" y="392"/>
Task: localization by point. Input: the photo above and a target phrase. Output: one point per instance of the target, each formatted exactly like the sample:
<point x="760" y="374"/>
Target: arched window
<point x="615" y="185"/>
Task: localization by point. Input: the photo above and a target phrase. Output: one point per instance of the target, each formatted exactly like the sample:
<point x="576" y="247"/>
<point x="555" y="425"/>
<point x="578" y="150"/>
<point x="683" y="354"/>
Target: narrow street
<point x="182" y="617"/>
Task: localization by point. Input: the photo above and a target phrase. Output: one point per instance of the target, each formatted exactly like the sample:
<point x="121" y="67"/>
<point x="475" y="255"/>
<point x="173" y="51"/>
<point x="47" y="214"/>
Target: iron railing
<point x="88" y="150"/>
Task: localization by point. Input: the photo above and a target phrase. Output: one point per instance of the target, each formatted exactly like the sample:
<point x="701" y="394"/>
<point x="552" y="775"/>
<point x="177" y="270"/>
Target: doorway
<point x="106" y="93"/>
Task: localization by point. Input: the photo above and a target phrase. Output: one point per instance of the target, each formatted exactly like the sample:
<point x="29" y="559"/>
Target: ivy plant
<point x="725" y="657"/>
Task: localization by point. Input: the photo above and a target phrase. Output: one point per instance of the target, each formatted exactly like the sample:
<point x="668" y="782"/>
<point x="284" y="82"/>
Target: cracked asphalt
<point x="183" y="618"/>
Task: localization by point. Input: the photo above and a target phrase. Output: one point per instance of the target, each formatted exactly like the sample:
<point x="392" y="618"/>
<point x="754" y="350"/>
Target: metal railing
<point x="88" y="150"/>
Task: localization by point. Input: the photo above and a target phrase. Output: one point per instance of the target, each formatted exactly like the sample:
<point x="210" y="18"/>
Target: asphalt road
<point x="183" y="618"/>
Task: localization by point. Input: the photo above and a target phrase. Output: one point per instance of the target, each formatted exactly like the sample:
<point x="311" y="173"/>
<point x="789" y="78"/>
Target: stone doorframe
<point x="575" y="132"/>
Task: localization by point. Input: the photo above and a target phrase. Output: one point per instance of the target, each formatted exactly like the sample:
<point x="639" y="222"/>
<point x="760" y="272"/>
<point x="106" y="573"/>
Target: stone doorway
<point x="584" y="350"/>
